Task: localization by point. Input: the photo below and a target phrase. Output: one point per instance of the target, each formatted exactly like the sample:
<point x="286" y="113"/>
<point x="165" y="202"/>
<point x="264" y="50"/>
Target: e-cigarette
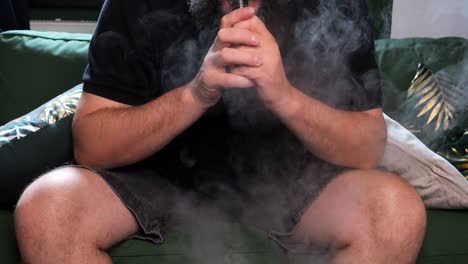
<point x="243" y="3"/>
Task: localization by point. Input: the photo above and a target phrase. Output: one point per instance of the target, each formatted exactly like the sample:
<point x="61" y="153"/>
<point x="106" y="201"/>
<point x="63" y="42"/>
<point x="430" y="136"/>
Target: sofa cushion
<point x="8" y="248"/>
<point x="34" y="143"/>
<point x="439" y="183"/>
<point x="445" y="242"/>
<point x="37" y="66"/>
<point x="446" y="238"/>
<point x="217" y="242"/>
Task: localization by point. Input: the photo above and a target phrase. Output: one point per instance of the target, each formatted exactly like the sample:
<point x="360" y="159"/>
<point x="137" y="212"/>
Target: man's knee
<point x="51" y="203"/>
<point x="390" y="194"/>
<point x="377" y="206"/>
<point x="394" y="209"/>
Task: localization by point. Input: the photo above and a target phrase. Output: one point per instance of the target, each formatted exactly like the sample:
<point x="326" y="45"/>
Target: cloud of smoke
<point x="279" y="177"/>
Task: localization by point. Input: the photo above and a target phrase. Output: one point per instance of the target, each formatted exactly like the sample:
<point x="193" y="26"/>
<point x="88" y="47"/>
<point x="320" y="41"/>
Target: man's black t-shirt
<point x="143" y="49"/>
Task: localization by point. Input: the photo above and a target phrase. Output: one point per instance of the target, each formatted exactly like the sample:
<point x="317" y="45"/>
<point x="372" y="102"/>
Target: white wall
<point x="430" y="18"/>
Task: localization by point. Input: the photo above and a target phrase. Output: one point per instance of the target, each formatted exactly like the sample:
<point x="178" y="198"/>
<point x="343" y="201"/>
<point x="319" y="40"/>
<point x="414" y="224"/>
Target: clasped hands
<point x="250" y="52"/>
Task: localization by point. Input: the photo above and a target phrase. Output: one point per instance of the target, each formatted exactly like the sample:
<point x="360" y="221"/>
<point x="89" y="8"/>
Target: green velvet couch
<point x="35" y="67"/>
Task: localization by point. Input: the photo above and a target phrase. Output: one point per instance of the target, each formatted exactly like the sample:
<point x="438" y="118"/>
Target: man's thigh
<point x="69" y="201"/>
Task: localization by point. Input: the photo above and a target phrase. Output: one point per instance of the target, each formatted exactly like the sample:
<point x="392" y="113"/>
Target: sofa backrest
<point x="381" y="13"/>
<point x="37" y="66"/>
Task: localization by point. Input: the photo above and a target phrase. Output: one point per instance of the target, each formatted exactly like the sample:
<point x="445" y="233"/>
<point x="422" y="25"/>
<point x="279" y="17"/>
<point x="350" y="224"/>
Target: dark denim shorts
<point x="159" y="201"/>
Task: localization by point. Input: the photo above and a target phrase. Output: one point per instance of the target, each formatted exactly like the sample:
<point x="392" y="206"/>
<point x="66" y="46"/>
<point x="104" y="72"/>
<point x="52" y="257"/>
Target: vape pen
<point x="243" y="3"/>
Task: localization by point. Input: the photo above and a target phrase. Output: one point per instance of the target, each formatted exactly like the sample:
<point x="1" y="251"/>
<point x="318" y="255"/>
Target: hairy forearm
<point x="113" y="137"/>
<point x="351" y="139"/>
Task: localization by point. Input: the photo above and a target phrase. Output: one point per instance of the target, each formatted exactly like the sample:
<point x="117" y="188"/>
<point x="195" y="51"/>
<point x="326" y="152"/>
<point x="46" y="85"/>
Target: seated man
<point x="268" y="115"/>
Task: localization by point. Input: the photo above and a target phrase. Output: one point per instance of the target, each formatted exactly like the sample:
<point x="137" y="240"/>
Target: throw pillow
<point x="455" y="148"/>
<point x="35" y="143"/>
<point x="433" y="105"/>
<point x="439" y="183"/>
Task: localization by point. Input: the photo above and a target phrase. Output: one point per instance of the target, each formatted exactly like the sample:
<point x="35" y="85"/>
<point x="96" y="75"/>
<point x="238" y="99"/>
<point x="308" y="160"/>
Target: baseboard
<point x="64" y="26"/>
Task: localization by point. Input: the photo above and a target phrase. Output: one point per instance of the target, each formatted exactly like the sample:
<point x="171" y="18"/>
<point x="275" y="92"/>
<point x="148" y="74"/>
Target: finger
<point x="253" y="24"/>
<point x="224" y="79"/>
<point x="247" y="72"/>
<point x="234" y="81"/>
<point x="230" y="36"/>
<point x="230" y="57"/>
<point x="237" y="15"/>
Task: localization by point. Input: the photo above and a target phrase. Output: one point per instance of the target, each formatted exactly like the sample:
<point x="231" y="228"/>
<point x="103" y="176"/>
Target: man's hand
<point x="360" y="133"/>
<point x="270" y="78"/>
<point x="208" y="85"/>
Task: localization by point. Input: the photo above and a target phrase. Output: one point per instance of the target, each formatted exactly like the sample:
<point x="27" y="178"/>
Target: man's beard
<point x="244" y="107"/>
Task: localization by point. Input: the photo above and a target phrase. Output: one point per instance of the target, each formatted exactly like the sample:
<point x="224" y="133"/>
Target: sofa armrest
<point x="36" y="143"/>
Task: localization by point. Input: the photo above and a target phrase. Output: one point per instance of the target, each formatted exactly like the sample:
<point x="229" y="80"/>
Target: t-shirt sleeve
<point x="116" y="69"/>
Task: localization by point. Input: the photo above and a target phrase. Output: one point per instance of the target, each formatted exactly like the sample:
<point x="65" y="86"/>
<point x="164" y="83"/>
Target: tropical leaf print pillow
<point x="46" y="115"/>
<point x="433" y="105"/>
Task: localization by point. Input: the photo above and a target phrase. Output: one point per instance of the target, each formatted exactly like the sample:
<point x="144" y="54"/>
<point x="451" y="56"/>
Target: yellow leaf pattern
<point x="429" y="91"/>
<point x="60" y="108"/>
<point x="49" y="113"/>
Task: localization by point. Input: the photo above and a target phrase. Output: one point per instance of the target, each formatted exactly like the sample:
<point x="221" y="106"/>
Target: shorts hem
<point x="154" y="236"/>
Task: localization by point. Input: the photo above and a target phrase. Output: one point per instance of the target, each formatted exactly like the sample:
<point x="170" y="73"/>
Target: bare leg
<point x="366" y="217"/>
<point x="70" y="215"/>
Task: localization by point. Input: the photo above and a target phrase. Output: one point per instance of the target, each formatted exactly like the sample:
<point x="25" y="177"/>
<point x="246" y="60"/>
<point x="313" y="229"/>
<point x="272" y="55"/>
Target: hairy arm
<point x="352" y="139"/>
<point x="109" y="134"/>
<point x="346" y="138"/>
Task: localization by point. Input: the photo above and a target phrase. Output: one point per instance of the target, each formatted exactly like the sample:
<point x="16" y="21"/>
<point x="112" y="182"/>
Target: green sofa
<point x="35" y="67"/>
